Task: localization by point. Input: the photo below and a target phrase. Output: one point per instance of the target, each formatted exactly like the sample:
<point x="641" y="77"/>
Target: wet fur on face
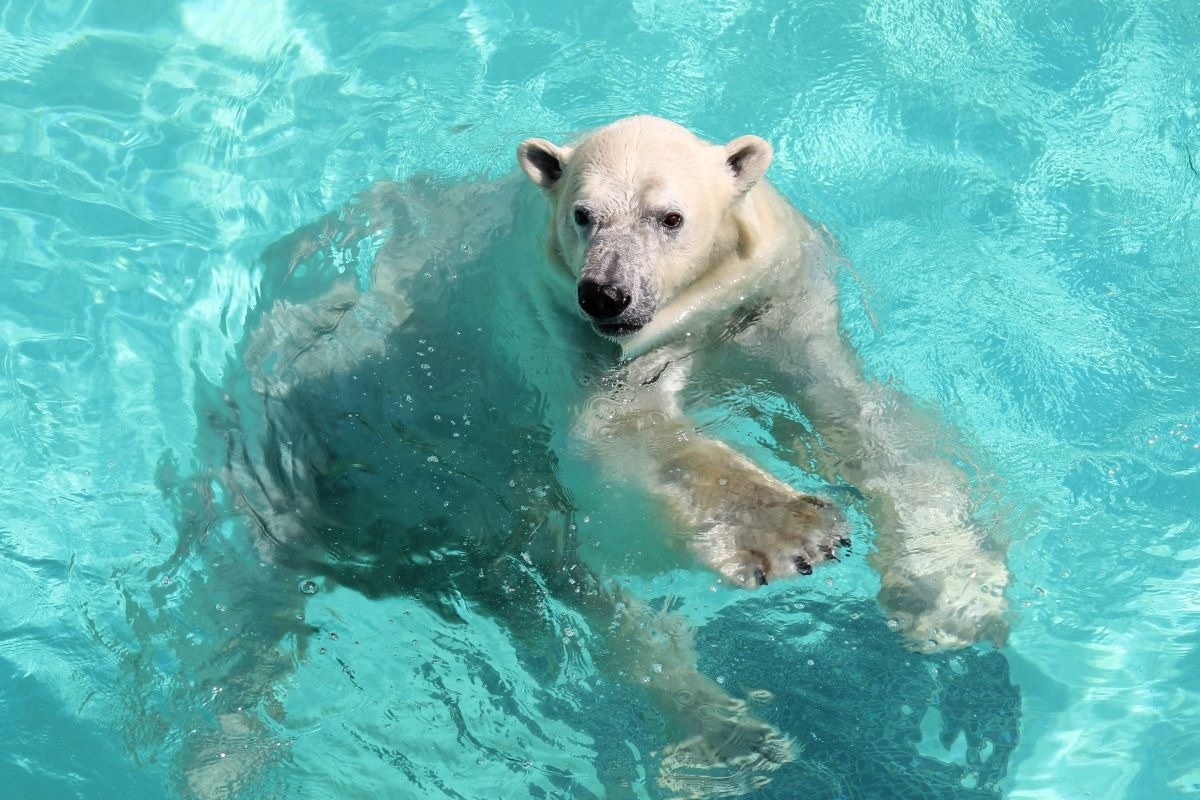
<point x="642" y="208"/>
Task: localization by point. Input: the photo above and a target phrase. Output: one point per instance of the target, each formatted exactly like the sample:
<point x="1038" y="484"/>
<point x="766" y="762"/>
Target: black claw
<point x="802" y="566"/>
<point x="760" y="576"/>
<point x="828" y="553"/>
<point x="843" y="541"/>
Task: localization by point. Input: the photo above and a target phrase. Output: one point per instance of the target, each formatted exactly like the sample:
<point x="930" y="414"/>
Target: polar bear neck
<point x="745" y="277"/>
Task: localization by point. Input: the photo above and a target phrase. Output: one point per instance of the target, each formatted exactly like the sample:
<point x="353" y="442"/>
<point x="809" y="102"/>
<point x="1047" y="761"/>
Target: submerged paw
<point x="945" y="609"/>
<point x="732" y="756"/>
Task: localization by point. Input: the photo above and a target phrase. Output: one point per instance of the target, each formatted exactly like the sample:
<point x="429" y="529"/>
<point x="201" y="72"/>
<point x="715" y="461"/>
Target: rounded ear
<point x="542" y="161"/>
<point x="747" y="159"/>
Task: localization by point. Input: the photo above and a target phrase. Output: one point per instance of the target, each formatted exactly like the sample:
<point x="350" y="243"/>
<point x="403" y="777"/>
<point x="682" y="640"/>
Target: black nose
<point x="602" y="301"/>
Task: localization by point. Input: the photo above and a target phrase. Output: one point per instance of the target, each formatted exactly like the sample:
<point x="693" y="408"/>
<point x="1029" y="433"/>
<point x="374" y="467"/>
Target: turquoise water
<point x="1014" y="185"/>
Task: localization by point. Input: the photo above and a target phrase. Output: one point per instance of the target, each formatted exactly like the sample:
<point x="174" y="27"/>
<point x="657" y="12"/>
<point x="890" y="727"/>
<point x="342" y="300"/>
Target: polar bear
<point x="671" y="266"/>
<point x="683" y="254"/>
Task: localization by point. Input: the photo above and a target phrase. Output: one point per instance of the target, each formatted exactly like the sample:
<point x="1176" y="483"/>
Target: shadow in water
<point x="873" y="720"/>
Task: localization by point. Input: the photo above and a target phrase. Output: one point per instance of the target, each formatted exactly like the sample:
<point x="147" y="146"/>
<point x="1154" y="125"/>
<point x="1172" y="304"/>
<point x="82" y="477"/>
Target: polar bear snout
<point x="613" y="288"/>
<point x="603" y="301"/>
<point x="615" y="308"/>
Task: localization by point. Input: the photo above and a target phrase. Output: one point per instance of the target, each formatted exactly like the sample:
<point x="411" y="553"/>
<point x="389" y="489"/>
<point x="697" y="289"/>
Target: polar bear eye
<point x="672" y="220"/>
<point x="583" y="217"/>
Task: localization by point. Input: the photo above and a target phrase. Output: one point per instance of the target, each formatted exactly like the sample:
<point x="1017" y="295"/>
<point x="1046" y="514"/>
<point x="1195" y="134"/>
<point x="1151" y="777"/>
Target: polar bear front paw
<point x="779" y="534"/>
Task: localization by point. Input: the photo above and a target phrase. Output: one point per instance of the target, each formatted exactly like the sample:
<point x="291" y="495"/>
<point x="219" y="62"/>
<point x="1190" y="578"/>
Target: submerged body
<point x="375" y="440"/>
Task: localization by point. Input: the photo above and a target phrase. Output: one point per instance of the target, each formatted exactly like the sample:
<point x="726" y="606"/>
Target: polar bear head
<point x="641" y="209"/>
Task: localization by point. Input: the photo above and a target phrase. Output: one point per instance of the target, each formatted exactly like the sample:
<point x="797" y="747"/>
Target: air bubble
<point x="309" y="587"/>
